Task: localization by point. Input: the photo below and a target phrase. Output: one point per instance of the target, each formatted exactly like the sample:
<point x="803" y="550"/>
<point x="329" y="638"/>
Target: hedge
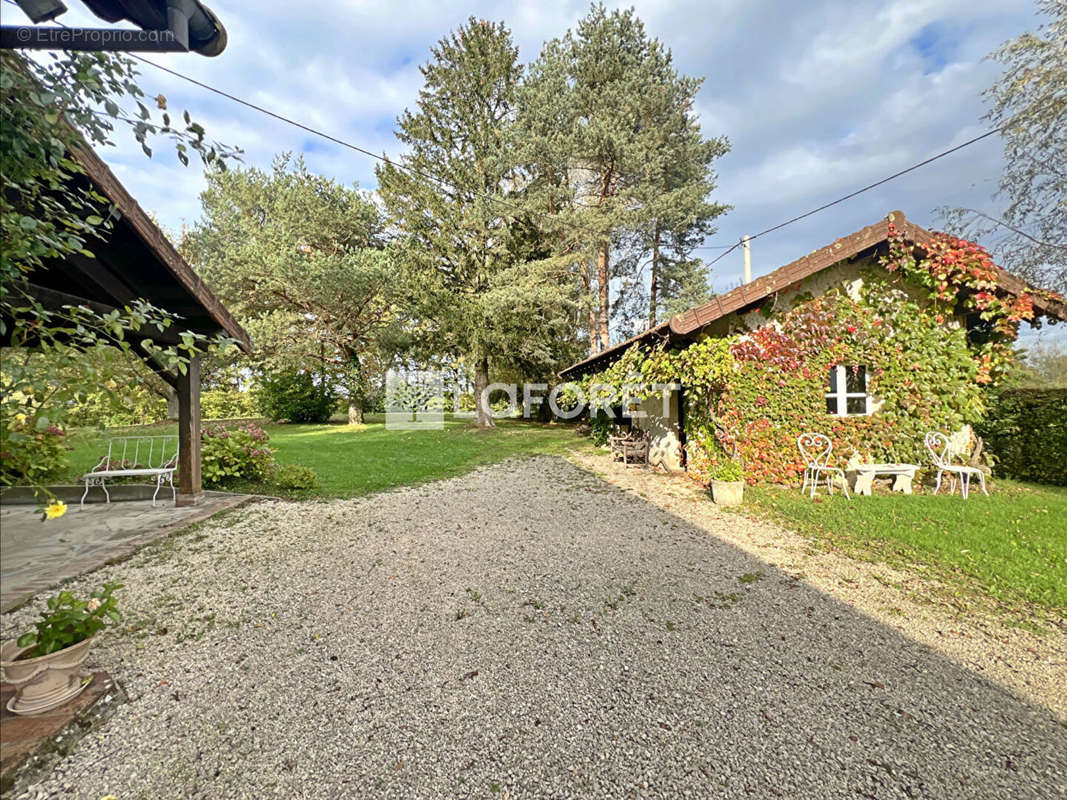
<point x="1026" y="431"/>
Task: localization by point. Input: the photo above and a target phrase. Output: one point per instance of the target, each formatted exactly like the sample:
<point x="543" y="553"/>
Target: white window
<point x="848" y="392"/>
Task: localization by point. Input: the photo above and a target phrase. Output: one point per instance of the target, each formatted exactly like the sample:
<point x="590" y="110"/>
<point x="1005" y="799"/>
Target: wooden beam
<point x="102" y="277"/>
<point x="190" y="489"/>
<point x="55" y="300"/>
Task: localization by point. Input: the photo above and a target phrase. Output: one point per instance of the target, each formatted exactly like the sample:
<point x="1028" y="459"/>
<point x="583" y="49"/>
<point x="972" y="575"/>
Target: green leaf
<point x="26" y="639"/>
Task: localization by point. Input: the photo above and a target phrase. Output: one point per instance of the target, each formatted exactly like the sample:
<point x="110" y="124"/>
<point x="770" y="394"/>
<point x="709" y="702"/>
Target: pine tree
<point x="614" y="156"/>
<point x="299" y="259"/>
<point x="475" y="280"/>
<point x="677" y="215"/>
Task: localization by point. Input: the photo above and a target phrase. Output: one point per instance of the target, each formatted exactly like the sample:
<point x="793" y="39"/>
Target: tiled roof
<point x="695" y="319"/>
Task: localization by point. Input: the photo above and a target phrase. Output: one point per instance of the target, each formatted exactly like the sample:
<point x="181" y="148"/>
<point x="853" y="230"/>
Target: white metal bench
<point x="136" y="456"/>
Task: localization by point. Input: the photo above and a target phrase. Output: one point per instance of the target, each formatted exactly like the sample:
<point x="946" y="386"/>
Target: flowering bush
<point x="229" y="453"/>
<point x="32" y="449"/>
<point x="70" y="620"/>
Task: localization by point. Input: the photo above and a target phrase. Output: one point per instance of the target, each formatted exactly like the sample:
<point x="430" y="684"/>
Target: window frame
<point x="841" y="397"/>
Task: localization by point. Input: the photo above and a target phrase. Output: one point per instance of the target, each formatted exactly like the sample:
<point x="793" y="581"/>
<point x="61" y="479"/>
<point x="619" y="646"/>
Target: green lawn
<point x="355" y="461"/>
<point x="1011" y="546"/>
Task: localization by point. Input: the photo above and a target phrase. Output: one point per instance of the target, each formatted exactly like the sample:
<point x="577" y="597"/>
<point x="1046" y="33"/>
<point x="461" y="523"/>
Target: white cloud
<point x="817" y="99"/>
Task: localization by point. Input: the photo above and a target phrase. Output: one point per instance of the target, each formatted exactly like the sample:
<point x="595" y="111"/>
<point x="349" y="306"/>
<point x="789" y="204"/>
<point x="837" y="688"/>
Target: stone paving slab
<point x="23" y="737"/>
<point x="36" y="555"/>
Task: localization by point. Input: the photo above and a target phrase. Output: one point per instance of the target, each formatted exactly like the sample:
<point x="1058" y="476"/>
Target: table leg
<point x="863" y="483"/>
<point x="902" y="482"/>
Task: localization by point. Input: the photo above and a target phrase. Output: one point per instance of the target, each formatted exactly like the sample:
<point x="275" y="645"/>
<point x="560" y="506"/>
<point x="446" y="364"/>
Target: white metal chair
<point x="815" y="449"/>
<point x="937" y="444"/>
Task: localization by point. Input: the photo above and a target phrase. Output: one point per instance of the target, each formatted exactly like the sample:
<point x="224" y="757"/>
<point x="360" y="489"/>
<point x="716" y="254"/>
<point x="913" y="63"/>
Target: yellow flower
<point x="20" y="418"/>
<point x="56" y="509"/>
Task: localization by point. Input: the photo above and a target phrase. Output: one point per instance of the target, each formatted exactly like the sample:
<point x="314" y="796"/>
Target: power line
<point x="866" y="188"/>
<point x="451" y="190"/>
<point x="384" y="159"/>
<point x="727" y="248"/>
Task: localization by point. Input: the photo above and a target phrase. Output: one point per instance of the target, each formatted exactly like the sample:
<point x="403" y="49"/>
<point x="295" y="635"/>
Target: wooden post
<point x="190" y="490"/>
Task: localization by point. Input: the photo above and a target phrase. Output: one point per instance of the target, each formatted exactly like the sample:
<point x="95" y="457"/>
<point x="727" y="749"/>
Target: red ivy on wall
<point x="960" y="276"/>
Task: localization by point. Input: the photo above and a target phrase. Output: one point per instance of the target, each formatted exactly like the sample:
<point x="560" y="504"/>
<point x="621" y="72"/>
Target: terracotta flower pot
<point x="44" y="682"/>
<point x="727" y="493"/>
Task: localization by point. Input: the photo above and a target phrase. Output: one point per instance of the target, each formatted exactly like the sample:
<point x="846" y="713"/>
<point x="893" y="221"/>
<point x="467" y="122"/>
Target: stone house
<point x="842" y="341"/>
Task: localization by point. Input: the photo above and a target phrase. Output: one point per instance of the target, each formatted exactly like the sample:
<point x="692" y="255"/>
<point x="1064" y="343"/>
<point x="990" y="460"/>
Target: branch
<point x="1022" y="233"/>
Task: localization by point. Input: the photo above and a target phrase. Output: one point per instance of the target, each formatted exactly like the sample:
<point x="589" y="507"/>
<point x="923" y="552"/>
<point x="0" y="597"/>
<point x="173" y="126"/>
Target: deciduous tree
<point x="1029" y="105"/>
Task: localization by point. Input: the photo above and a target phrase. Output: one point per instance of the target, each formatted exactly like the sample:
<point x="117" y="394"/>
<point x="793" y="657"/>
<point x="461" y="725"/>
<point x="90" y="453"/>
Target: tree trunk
<point x="603" y="274"/>
<point x="591" y="310"/>
<point x="355" y="411"/>
<point x="357" y="391"/>
<point x="482" y="416"/>
<point x="653" y="287"/>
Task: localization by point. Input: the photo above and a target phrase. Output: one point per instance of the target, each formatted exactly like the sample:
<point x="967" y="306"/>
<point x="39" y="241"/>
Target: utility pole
<point x="748" y="259"/>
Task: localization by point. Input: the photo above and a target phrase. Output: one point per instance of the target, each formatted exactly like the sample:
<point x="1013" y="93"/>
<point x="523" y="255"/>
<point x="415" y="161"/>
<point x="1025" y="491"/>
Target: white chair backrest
<point x="815" y="449"/>
<point x="937" y="444"/>
<point x="142" y="452"/>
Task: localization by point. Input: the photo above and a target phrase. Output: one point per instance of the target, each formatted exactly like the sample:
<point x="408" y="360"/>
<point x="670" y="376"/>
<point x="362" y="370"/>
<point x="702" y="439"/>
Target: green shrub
<point x="228" y="404"/>
<point x="32" y="450"/>
<point x="296" y="397"/>
<point x="728" y="470"/>
<point x="294" y="476"/>
<point x="70" y="620"/>
<point x="226" y="454"/>
<point x="600" y="428"/>
<point x="107" y="407"/>
<point x="1026" y="432"/>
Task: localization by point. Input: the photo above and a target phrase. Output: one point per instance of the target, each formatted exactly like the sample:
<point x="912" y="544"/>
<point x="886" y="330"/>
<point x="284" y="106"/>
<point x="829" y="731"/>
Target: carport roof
<point x="135" y="261"/>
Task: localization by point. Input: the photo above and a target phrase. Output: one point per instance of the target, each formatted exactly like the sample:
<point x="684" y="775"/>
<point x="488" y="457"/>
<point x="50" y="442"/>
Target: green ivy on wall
<point x="752" y="393"/>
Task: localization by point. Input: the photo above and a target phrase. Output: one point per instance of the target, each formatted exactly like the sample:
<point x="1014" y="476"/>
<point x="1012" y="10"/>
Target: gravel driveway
<point x="526" y="630"/>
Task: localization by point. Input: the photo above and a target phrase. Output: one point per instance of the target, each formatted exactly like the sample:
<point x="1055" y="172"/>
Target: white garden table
<point x="903" y="474"/>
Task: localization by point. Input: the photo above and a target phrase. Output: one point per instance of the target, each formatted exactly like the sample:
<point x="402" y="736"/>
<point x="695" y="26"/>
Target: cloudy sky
<point x="817" y="99"/>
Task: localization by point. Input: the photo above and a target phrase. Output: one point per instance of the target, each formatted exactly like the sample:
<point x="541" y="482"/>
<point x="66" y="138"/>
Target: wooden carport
<point x="137" y="261"/>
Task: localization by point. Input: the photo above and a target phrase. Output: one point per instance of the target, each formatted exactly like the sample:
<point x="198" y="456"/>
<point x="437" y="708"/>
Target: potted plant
<point x="727" y="482"/>
<point x="44" y="665"/>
